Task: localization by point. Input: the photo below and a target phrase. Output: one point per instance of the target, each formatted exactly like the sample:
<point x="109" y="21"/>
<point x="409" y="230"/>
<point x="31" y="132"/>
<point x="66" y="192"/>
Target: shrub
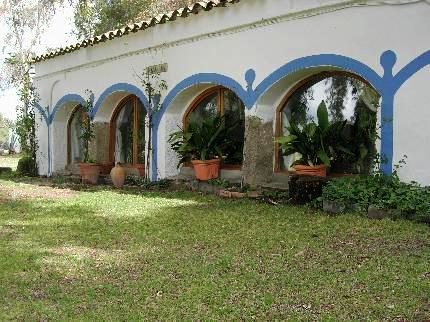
<point x="27" y="166"/>
<point x="405" y="200"/>
<point x="145" y="184"/>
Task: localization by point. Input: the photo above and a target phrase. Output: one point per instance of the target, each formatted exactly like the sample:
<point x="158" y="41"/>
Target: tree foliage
<point x="26" y="20"/>
<point x="95" y="17"/>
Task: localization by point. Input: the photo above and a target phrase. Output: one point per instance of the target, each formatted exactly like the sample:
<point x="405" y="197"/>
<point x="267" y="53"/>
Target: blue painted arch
<point x="411" y="69"/>
<point x="323" y="60"/>
<point x="69" y="98"/>
<point x="120" y="87"/>
<point x="43" y="113"/>
<point x="250" y="96"/>
<point x="202" y="78"/>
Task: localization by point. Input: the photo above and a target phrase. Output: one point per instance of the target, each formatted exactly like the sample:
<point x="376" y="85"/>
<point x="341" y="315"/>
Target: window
<point x="75" y="146"/>
<point x="128" y="132"/>
<point x="224" y="102"/>
<point x="347" y="97"/>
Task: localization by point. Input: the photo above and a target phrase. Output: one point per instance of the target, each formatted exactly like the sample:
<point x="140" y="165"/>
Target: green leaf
<point x="285" y="139"/>
<point x="322" y="155"/>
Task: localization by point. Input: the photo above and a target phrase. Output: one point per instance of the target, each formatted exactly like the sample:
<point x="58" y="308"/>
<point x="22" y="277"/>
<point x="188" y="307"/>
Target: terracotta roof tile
<point x="160" y="19"/>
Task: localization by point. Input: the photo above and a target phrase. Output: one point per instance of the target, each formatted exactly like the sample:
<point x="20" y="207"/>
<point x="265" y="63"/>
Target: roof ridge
<point x="161" y="18"/>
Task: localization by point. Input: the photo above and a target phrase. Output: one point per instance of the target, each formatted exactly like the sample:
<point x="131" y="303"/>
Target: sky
<point x="57" y="34"/>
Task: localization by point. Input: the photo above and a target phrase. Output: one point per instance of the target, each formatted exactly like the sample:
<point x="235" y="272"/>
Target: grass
<point x="105" y="254"/>
<point x="10" y="161"/>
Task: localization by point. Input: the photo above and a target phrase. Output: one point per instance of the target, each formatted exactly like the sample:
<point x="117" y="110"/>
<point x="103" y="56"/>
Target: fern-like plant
<point x="204" y="140"/>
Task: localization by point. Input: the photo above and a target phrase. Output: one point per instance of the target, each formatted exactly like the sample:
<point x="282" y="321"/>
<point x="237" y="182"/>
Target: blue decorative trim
<point x="49" y="151"/>
<point x="387" y="86"/>
<point x="43" y="113"/>
<point x="391" y="84"/>
<point x="250" y="96"/>
<point x="411" y="69"/>
<point x="69" y="98"/>
<point x="331" y="60"/>
<point x="120" y="87"/>
<point x="203" y="78"/>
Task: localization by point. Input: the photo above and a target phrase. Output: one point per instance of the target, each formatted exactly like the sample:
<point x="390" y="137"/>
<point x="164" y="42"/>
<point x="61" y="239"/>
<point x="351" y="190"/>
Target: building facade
<point x="250" y="58"/>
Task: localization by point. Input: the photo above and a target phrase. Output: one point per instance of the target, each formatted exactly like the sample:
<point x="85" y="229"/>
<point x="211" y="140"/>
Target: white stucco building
<point x="249" y="57"/>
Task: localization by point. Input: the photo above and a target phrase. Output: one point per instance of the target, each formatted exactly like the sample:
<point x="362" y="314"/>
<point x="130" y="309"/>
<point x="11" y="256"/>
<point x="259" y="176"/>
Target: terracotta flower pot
<point x="206" y="170"/>
<point x="90" y="172"/>
<point x="318" y="170"/>
<point x="117" y="175"/>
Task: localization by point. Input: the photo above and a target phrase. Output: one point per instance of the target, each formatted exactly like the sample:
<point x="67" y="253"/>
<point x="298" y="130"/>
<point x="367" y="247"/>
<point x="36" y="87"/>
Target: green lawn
<point x="10" y="161"/>
<point x="102" y="254"/>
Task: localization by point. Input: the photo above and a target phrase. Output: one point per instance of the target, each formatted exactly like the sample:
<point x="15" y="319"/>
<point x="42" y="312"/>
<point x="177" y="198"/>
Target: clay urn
<point x="117" y="175"/>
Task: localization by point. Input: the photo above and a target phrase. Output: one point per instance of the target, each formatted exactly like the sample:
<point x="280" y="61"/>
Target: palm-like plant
<point x="316" y="142"/>
<point x="203" y="140"/>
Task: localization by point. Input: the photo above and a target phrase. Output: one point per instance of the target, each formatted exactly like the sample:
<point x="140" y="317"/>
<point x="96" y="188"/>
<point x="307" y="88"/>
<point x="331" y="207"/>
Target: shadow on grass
<point x="72" y="184"/>
<point x="110" y="254"/>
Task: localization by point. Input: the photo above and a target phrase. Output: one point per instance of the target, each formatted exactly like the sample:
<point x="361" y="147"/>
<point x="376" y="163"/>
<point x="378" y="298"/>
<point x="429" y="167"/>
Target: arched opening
<point x="349" y="98"/>
<point x="224" y="102"/>
<point x="127" y="133"/>
<point x="75" y="146"/>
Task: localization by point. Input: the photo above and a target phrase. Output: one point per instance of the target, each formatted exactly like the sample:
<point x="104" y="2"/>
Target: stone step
<point x="275" y="186"/>
<point x="280" y="177"/>
<point x="233" y="176"/>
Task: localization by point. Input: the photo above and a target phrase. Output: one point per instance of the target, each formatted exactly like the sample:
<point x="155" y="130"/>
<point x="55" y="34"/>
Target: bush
<point x="27" y="166"/>
<point x="145" y="184"/>
<point x="405" y="200"/>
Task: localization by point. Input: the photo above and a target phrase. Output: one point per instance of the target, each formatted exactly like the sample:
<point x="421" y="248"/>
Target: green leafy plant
<point x="316" y="142"/>
<point x="87" y="127"/>
<point x="27" y="166"/>
<point x="219" y="182"/>
<point x="162" y="184"/>
<point x="404" y="200"/>
<point x="359" y="136"/>
<point x="154" y="86"/>
<point x="203" y="140"/>
<point x="26" y="125"/>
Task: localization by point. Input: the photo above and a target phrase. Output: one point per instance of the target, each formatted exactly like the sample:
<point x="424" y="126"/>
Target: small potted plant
<point x="89" y="170"/>
<point x="203" y="143"/>
<point x="313" y="142"/>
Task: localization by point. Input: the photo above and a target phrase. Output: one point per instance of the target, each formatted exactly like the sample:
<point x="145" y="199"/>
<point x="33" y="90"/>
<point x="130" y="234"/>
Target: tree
<point x="26" y="20"/>
<point x="337" y="92"/>
<point x="95" y="17"/>
<point x="5" y="126"/>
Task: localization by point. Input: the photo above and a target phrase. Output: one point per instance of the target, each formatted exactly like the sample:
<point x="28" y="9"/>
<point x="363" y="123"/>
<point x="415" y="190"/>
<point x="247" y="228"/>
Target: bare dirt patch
<point x="27" y="191"/>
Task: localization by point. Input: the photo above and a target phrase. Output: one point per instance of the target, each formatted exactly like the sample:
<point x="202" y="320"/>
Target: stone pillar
<point x="258" y="151"/>
<point x="99" y="147"/>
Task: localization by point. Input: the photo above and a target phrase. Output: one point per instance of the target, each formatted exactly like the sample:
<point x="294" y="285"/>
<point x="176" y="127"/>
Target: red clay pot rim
<point x="83" y="164"/>
<point x="308" y="167"/>
<point x="205" y="161"/>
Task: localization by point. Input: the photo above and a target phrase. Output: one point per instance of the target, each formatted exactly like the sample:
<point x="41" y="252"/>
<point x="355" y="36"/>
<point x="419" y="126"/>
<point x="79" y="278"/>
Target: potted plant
<point x="314" y="142"/>
<point x="89" y="170"/>
<point x="203" y="143"/>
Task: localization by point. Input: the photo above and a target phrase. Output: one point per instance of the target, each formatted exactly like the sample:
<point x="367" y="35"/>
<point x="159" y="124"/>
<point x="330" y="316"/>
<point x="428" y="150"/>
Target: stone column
<point x="258" y="151"/>
<point x="99" y="147"/>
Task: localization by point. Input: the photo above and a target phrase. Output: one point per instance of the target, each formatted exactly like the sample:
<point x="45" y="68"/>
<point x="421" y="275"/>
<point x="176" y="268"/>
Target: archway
<point x="351" y="102"/>
<point x="75" y="146"/>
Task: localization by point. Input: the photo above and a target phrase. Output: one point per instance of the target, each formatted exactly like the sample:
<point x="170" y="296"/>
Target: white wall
<point x="263" y="35"/>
